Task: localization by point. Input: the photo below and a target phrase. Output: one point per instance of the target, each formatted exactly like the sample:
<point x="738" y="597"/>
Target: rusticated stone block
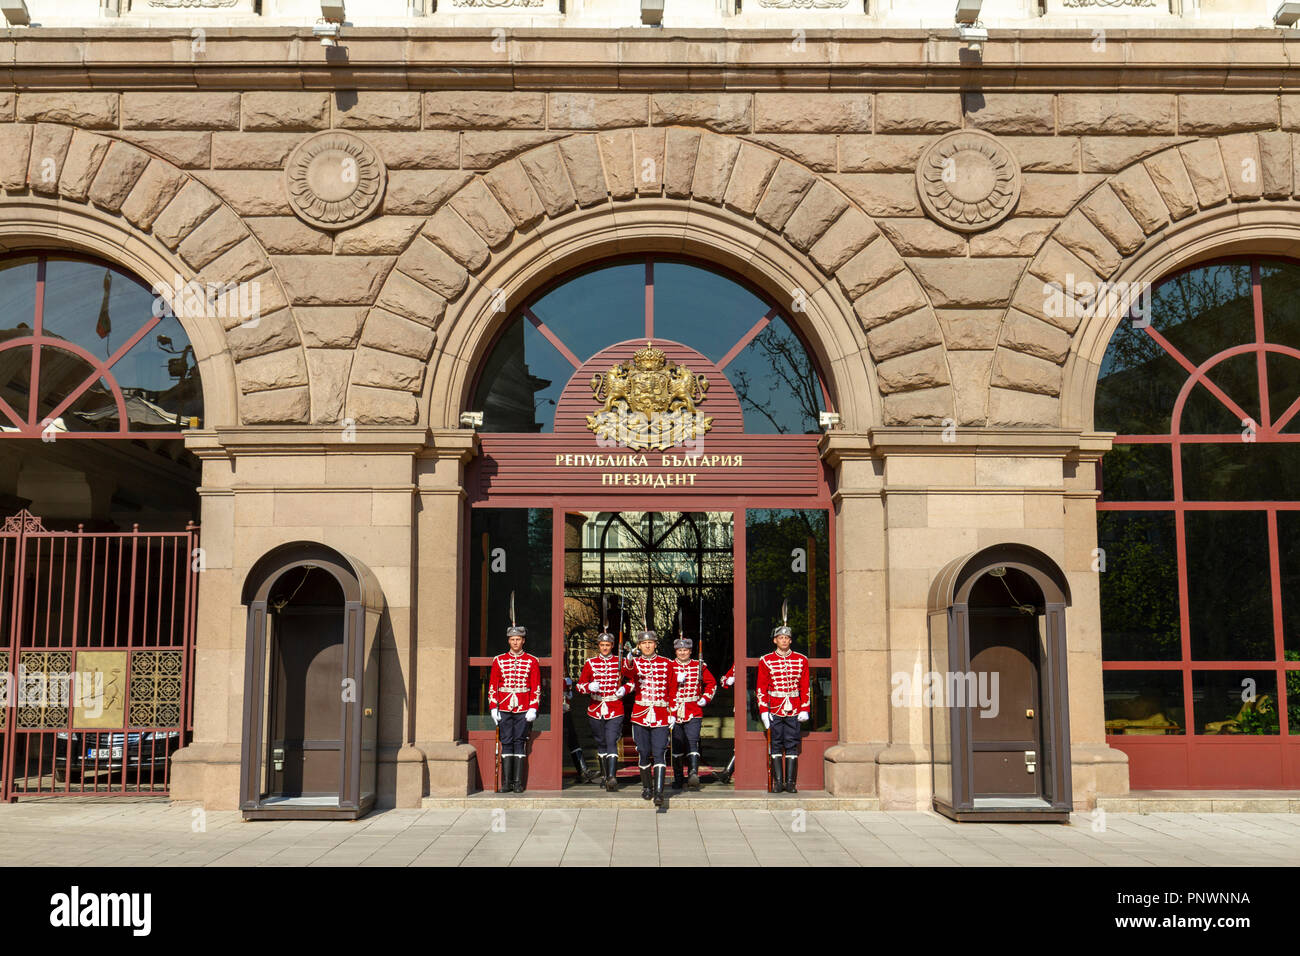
<point x="270" y="333"/>
<point x="332" y="280"/>
<point x="49" y="148"/>
<point x="427" y="149"/>
<point x="720" y="112"/>
<point x="1052" y="195"/>
<point x="239" y="264"/>
<point x="881" y="154"/>
<point x="926" y="406"/>
<point x="1012" y="238"/>
<point x="118" y="173"/>
<point x="812" y="112"/>
<point x="1139" y="195"/>
<point x="220" y="231"/>
<point x="1044" y="154"/>
<point x="8" y="101"/>
<point x="406" y="297"/>
<point x="512" y="189"/>
<point x="870" y="267"/>
<point x="484" y="109"/>
<point x="597" y="110"/>
<point x="454" y="236"/>
<point x="908" y="333"/>
<point x="192" y="205"/>
<point x="545" y="171"/>
<point x="158" y="185"/>
<point x="283" y="369"/>
<point x="821" y="207"/>
<point x="1275" y="164"/>
<point x="1241" y="165"/>
<point x="1077" y="233"/>
<point x="1212" y="113"/>
<point x="788" y="186"/>
<point x="970" y="384"/>
<point x="82" y="109"/>
<point x="1025" y="373"/>
<point x="616" y="149"/>
<point x="680" y="150"/>
<point x="329" y="370"/>
<point x="844" y="239"/>
<point x="384" y="236"/>
<point x="252" y="150"/>
<point x="1032" y="113"/>
<point x="881" y="195"/>
<point x="1108" y="154"/>
<point x="374" y="110"/>
<point x="481" y="150"/>
<point x="1169" y="176"/>
<point x="381" y="406"/>
<point x="418" y="192"/>
<point x="923" y="369"/>
<point x="648" y="147"/>
<point x="477" y="206"/>
<point x="1024" y="333"/>
<point x="427" y="264"/>
<point x="15" y="151"/>
<point x="1125" y="114"/>
<point x="917" y="112"/>
<point x="180" y="110"/>
<point x="965" y="329"/>
<point x="85" y="153"/>
<point x="250" y="192"/>
<point x="392" y="333"/>
<point x="921" y="237"/>
<point x="331" y="327"/>
<point x="1113" y="219"/>
<point x="288" y="236"/>
<point x="1204" y="165"/>
<point x="387" y="370"/>
<point x="815" y="150"/>
<point x="587" y="176"/>
<point x="285" y="110"/>
<point x="186" y="150"/>
<point x="753" y="169"/>
<point x="713" y="164"/>
<point x="283" y="406"/>
<point x="1015" y="409"/>
<point x="890" y="299"/>
<point x="968" y="282"/>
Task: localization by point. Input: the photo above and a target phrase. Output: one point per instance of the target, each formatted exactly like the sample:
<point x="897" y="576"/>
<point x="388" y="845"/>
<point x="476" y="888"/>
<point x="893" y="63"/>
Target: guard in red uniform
<point x="602" y="678"/>
<point x="654" y="682"/>
<point x="783" y="705"/>
<point x="695" y="688"/>
<point x="514" y="694"/>
<point x="571" y="743"/>
<point x="729" y="680"/>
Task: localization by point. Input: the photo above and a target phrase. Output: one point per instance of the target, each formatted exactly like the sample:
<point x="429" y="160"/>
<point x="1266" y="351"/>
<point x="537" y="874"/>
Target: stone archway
<point x="114" y="200"/>
<point x="566" y="202"/>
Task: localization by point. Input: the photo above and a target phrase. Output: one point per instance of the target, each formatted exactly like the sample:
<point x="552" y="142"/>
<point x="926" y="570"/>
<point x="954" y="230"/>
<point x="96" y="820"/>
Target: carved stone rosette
<point x="968" y="181"/>
<point x="334" y="180"/>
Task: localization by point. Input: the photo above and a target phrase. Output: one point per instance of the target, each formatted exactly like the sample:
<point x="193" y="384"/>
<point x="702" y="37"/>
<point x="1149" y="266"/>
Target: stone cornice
<point x="1066" y="443"/>
<point x="305" y="440"/>
<point x="563" y="58"/>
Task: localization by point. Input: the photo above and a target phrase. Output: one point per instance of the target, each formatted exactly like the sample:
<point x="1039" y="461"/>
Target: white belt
<point x="782" y="693"/>
<point x="652" y="703"/>
<point x="610" y="698"/>
<point x="513" y="690"/>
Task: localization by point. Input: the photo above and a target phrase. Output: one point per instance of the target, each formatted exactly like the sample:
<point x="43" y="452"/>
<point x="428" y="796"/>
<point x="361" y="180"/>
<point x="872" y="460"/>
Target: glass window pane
<point x="1230" y="601"/>
<point x="597" y="308"/>
<point x="1138" y="473"/>
<point x="510" y="551"/>
<point x="1235" y="702"/>
<point x="1205" y="310"/>
<point x="17" y="297"/>
<point x="1204" y="414"/>
<point x="1138" y="384"/>
<point x="703" y="309"/>
<point x="92" y="305"/>
<point x="1238" y="377"/>
<point x="61" y="374"/>
<point x="160" y="379"/>
<point x="1139" y="588"/>
<point x="1144" y="703"/>
<point x="1279" y="286"/>
<point x="521" y="381"/>
<point x="776" y="383"/>
<point x="1283" y="388"/>
<point x="787" y="558"/>
<point x="820" y="692"/>
<point x="1288" y="554"/>
<point x="16" y="381"/>
<point x="1241" y="471"/>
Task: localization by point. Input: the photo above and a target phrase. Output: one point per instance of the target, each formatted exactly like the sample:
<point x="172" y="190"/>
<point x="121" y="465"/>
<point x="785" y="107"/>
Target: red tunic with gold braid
<point x="601" y="677"/>
<point x="729" y="678"/>
<point x="653" y="682"/>
<point x="693" y="683"/>
<point x="783" y="684"/>
<point x="515" y="684"/>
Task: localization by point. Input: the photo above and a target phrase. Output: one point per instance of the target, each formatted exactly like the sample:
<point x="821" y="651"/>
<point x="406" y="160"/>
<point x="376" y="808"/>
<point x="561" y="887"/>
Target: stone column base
<point x="401" y="777"/>
<point x="850" y="769"/>
<point x="903" y="778"/>
<point x="208" y="773"/>
<point x="451" y="768"/>
<point x="1096" y="768"/>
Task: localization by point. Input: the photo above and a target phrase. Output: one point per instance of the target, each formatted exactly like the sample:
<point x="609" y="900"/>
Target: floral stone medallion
<point x="334" y="180"/>
<point x="968" y="181"/>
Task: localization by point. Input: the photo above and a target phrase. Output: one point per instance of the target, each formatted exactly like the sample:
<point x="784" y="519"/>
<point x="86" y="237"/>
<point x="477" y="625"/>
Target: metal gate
<point x="97" y="659"/>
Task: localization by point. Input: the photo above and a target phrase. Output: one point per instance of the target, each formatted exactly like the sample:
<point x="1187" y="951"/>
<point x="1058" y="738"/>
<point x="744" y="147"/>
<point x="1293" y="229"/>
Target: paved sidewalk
<point x="63" y="833"/>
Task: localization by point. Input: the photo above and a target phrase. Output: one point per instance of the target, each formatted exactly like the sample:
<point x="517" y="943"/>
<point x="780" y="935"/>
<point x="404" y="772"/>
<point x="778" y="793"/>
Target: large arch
<point x="735" y="203"/>
<point x="94" y="194"/>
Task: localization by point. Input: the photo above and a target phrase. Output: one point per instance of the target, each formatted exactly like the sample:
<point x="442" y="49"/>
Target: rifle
<point x="497" y="785"/>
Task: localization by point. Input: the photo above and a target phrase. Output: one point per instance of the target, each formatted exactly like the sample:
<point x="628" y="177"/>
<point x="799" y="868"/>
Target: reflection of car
<point x="96" y="752"/>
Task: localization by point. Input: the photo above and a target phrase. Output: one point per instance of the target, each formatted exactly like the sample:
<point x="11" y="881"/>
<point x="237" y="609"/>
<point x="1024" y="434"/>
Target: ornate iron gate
<point x="98" y="657"/>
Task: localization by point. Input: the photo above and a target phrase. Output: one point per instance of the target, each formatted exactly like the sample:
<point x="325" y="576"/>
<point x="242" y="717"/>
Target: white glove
<point x="702" y="701"/>
<point x="531" y="715"/>
<point x="496" y="716"/>
<point x="767" y="720"/>
<point x="803" y="716"/>
<point x="728" y="681"/>
<point x="620" y="692"/>
<point x="671" y="720"/>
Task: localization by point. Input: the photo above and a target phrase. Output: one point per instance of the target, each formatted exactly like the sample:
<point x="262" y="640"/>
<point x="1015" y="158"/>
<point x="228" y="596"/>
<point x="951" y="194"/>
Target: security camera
<point x="329" y="32"/>
<point x="973" y="36"/>
<point x="1287" y="15"/>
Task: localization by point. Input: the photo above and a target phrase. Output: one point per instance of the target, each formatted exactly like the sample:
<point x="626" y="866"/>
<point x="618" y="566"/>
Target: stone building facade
<point x="913" y="196"/>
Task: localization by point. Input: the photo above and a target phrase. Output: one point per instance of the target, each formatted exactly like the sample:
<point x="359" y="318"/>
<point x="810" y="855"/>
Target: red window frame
<point x="1194" y="760"/>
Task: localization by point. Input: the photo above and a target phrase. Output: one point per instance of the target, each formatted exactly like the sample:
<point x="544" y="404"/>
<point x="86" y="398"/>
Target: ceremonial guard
<point x="514" y="694"/>
<point x="729" y="680"/>
<point x="695" y="688"/>
<point x="602" y="678"/>
<point x="653" y="679"/>
<point x="783" y="704"/>
<point x="571" y="744"/>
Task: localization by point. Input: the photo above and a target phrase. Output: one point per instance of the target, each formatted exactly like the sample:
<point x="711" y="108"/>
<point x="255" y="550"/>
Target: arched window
<point x="84" y="354"/>
<point x="1199" y="522"/>
<point x="653" y="298"/>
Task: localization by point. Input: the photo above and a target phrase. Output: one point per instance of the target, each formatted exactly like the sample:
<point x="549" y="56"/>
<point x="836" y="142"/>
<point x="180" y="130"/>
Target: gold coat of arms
<point x="649" y="402"/>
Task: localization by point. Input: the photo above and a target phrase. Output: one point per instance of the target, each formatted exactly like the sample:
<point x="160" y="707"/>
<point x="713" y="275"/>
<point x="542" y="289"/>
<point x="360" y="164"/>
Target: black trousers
<point x="686" y="737"/>
<point x="607" y="734"/>
<point x="651" y="744"/>
<point x="785" y="736"/>
<point x="514" y="734"/>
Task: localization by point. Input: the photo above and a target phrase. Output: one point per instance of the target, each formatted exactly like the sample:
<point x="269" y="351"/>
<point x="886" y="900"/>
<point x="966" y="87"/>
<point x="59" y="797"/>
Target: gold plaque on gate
<point x="99" y="690"/>
<point x="649" y="402"/>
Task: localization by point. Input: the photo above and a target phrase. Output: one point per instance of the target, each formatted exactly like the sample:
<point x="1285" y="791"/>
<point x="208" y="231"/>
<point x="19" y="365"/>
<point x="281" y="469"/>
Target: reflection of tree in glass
<point x="1139" y="591"/>
<point x="771" y="538"/>
<point x="793" y="400"/>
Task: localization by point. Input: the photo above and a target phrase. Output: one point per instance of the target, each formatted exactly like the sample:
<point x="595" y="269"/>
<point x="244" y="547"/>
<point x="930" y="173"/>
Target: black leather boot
<point x="611" y="773"/>
<point x="791" y="773"/>
<point x="585" y="774"/>
<point x="677" y="772"/>
<point x="778" y="775"/>
<point x="693" y="780"/>
<point x="660" y="772"/>
<point x="518" y="771"/>
<point x="725" y="776"/>
<point x="645" y="783"/>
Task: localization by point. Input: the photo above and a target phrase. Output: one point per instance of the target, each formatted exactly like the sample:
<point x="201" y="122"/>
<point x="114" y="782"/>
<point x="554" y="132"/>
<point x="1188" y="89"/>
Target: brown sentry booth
<point x="1001" y="756"/>
<point x="311" y="685"/>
